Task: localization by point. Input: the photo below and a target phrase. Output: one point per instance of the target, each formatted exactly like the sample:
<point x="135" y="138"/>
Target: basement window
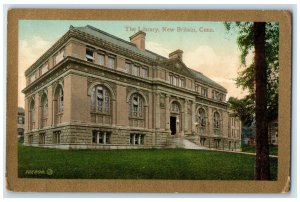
<point x="137" y="139"/>
<point x="101" y="137"/>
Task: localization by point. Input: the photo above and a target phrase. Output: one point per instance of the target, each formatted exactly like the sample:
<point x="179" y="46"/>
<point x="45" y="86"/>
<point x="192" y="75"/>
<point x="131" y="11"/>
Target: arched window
<point x="175" y="107"/>
<point x="136" y="105"/>
<point x="100" y="100"/>
<point x="44" y="111"/>
<point x="60" y="99"/>
<point x="216" y="120"/>
<point x="32" y="115"/>
<point x="201" y="118"/>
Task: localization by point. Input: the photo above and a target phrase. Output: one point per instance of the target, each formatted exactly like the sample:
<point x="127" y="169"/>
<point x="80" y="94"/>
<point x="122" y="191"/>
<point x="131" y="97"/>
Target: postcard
<point x="188" y="101"/>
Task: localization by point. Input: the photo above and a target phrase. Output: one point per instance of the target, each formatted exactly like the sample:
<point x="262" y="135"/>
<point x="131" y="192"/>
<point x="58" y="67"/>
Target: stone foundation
<point x="81" y="137"/>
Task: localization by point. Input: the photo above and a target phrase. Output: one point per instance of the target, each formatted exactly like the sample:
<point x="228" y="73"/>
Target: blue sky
<point x="207" y="46"/>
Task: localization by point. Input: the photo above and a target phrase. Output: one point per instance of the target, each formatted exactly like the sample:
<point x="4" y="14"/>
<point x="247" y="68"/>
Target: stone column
<point x="157" y="111"/>
<point x="185" y="122"/>
<point x="104" y="137"/>
<point x="167" y="112"/>
<point x="50" y="107"/>
<point x="37" y="111"/>
<point x="146" y="117"/>
<point x="193" y="109"/>
<point x="114" y="112"/>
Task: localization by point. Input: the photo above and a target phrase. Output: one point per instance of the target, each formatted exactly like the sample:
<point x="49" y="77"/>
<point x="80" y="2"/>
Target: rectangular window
<point x="42" y="138"/>
<point x="56" y="137"/>
<point x="111" y="62"/>
<point x="102" y="60"/>
<point x="135" y="70"/>
<point x="144" y="72"/>
<point x="59" y="56"/>
<point x="101" y="137"/>
<point x="204" y="92"/>
<point x="137" y="139"/>
<point x="30" y="139"/>
<point x="89" y="54"/>
<point x="127" y="68"/>
<point x="20" y="120"/>
<point x="44" y="68"/>
<point x="171" y="79"/>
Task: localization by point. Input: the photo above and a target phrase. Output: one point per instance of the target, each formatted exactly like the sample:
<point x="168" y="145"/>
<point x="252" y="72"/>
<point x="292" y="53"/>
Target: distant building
<point x="273" y="132"/>
<point x="94" y="90"/>
<point x="21" y="121"/>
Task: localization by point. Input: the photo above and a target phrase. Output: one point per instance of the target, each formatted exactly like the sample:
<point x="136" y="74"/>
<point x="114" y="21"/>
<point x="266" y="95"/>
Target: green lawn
<point x="137" y="164"/>
<point x="273" y="150"/>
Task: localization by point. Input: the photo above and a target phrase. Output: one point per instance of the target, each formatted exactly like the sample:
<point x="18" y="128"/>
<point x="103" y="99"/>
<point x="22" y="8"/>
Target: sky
<point x="207" y="46"/>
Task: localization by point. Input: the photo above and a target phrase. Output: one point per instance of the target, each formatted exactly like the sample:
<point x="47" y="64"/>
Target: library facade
<point x="94" y="90"/>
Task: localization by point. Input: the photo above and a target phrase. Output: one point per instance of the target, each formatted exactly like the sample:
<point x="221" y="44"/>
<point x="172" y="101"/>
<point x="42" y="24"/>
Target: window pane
<point x="101" y="60"/>
<point x="111" y="62"/>
<point x="135" y="70"/>
<point x="127" y="67"/>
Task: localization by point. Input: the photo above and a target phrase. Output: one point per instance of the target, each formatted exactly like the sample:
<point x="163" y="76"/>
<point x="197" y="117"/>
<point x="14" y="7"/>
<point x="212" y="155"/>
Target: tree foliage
<point x="246" y="76"/>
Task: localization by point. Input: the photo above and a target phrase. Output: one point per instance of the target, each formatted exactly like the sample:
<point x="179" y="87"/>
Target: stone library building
<point x="93" y="90"/>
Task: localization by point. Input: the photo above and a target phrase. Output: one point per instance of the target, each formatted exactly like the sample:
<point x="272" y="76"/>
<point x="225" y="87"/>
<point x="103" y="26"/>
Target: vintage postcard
<point x="148" y="101"/>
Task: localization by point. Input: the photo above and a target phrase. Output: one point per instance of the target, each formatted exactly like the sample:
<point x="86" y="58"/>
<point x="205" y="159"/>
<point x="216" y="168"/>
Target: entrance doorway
<point x="173" y="125"/>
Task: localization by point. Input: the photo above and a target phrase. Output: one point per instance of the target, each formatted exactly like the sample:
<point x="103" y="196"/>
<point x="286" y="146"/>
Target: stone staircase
<point x="181" y="142"/>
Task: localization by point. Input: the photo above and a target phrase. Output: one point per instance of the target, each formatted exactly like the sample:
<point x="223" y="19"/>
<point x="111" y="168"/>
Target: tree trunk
<point x="262" y="166"/>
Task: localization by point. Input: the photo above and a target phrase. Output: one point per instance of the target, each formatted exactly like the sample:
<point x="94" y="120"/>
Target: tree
<point x="260" y="78"/>
<point x="246" y="76"/>
<point x="262" y="166"/>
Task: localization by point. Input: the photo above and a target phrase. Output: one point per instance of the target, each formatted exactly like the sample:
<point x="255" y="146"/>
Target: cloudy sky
<point x="207" y="46"/>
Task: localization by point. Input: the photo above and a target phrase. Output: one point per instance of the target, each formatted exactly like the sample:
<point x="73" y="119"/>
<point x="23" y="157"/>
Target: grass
<point x="136" y="164"/>
<point x="273" y="149"/>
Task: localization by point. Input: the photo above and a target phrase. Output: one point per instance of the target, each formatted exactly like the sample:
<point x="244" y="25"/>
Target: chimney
<point x="139" y="40"/>
<point x="176" y="54"/>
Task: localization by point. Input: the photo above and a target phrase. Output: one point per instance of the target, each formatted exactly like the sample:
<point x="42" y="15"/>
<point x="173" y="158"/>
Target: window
<point x="137" y="139"/>
<point x="42" y="138"/>
<point x="101" y="137"/>
<point x="127" y="67"/>
<point x="111" y="62"/>
<point x="32" y="115"/>
<point x="20" y="120"/>
<point x="181" y="82"/>
<point x="102" y="60"/>
<point x="44" y="111"/>
<point x="136" y="106"/>
<point x="30" y="139"/>
<point x="201" y="117"/>
<point x="175" y="107"/>
<point x="56" y="137"/>
<point x="59" y="56"/>
<point x="144" y="72"/>
<point x="204" y="92"/>
<point x="89" y="54"/>
<point x="100" y="100"/>
<point x="202" y="141"/>
<point x="135" y="70"/>
<point x="171" y="78"/>
<point x="32" y="78"/>
<point x="216" y="120"/>
<point x="44" y="68"/>
<point x="60" y="100"/>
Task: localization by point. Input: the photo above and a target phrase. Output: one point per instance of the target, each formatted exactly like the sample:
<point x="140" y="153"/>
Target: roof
<point x="97" y="33"/>
<point x="117" y="41"/>
<point x="131" y="46"/>
<point x="205" y="79"/>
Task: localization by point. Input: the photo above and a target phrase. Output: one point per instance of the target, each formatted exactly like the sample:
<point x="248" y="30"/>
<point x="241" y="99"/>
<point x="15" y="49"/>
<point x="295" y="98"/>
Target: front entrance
<point x="173" y="125"/>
